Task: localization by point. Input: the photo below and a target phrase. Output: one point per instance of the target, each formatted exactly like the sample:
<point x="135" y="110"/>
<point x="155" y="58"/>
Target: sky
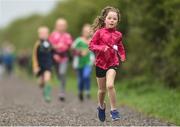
<point x="13" y="9"/>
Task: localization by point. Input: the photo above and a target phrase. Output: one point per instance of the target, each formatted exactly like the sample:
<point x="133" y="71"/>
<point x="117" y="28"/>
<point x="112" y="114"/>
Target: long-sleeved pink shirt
<point x="61" y="43"/>
<point x="107" y="37"/>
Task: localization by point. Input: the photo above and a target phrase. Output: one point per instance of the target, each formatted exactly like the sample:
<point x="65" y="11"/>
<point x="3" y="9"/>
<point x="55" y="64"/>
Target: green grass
<point x="155" y="101"/>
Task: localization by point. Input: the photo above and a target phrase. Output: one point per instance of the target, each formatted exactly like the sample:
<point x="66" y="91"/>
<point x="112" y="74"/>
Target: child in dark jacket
<point x="42" y="61"/>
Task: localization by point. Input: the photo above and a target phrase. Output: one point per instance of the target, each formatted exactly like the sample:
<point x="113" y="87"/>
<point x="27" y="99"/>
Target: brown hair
<point x="99" y="21"/>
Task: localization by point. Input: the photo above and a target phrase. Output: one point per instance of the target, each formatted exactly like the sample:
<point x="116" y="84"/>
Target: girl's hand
<point x="56" y="57"/>
<point x="36" y="70"/>
<point x="76" y="52"/>
<point x="123" y="58"/>
<point x="106" y="48"/>
<point x="84" y="52"/>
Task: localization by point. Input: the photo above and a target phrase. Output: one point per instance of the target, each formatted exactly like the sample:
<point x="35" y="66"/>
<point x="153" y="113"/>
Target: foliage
<point x="150" y="29"/>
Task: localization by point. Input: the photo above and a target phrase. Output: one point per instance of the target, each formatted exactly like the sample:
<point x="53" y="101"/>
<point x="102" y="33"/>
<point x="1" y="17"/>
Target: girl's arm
<point x="93" y="46"/>
<point x="34" y="58"/>
<point x="74" y="48"/>
<point x="69" y="40"/>
<point x="121" y="50"/>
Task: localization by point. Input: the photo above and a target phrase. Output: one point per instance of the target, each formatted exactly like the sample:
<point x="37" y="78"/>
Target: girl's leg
<point x="41" y="81"/>
<point x="101" y="91"/>
<point x="47" y="87"/>
<point x="80" y="83"/>
<point x="101" y="80"/>
<point x="57" y="71"/>
<point x="47" y="76"/>
<point x="62" y="76"/>
<point x="87" y="79"/>
<point x="110" y="77"/>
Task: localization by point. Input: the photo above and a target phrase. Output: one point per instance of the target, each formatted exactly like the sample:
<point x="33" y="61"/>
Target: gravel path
<point x="21" y="103"/>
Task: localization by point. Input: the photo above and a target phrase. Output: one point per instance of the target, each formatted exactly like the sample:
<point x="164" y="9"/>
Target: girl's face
<point x="61" y="25"/>
<point x="86" y="31"/>
<point x="43" y="33"/>
<point x="111" y="20"/>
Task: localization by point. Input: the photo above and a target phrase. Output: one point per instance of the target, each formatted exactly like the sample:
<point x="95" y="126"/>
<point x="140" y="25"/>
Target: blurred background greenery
<point x="150" y="78"/>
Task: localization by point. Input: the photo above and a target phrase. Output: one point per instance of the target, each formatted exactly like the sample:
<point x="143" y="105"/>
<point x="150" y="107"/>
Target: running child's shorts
<point x="102" y="73"/>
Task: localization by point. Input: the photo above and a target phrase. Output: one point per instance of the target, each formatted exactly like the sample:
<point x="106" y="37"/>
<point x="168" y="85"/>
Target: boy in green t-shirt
<point x="83" y="60"/>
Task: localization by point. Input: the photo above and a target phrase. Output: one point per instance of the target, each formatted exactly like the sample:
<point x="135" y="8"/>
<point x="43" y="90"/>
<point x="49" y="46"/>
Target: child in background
<point x="83" y="61"/>
<point x="107" y="46"/>
<point x="61" y="42"/>
<point x="42" y="61"/>
<point x="1" y="64"/>
<point x="8" y="57"/>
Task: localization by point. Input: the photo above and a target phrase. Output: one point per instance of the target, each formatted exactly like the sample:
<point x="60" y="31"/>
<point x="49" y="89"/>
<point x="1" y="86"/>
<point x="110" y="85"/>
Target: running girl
<point x="107" y="46"/>
<point x="61" y="42"/>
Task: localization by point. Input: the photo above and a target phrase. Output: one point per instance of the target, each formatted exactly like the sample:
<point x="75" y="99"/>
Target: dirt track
<point x="21" y="103"/>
